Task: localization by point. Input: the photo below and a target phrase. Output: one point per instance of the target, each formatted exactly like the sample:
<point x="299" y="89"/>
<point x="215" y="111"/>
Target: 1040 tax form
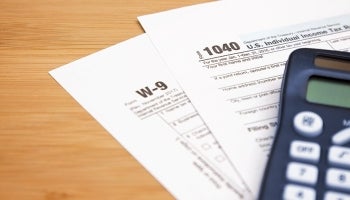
<point x="229" y="58"/>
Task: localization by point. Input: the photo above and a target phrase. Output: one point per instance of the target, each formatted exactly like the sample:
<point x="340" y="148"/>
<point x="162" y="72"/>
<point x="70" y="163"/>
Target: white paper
<point x="129" y="91"/>
<point x="206" y="48"/>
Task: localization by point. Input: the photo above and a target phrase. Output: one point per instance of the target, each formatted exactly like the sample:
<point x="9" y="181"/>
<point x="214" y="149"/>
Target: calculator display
<point x="328" y="91"/>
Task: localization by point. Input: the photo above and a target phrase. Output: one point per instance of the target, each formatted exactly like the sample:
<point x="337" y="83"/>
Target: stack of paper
<point x="195" y="98"/>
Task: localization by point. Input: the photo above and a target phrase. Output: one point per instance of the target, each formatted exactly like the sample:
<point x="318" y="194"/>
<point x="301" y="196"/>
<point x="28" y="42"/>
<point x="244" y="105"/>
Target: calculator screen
<point x="328" y="91"/>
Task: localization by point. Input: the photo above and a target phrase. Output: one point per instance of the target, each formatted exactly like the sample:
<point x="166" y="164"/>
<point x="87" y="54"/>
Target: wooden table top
<point x="50" y="147"/>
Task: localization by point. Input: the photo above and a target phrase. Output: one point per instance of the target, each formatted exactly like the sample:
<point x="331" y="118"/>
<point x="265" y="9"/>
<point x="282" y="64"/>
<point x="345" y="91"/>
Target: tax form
<point x="230" y="63"/>
<point x="129" y="92"/>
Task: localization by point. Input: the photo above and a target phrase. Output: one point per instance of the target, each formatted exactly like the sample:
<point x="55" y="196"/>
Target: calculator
<point x="310" y="157"/>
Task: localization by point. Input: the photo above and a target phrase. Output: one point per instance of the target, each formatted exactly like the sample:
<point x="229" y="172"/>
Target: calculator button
<point x="336" y="196"/>
<point x="341" y="137"/>
<point x="302" y="173"/>
<point x="338" y="178"/>
<point x="308" y="151"/>
<point x="339" y="155"/>
<point x="294" y="192"/>
<point x="308" y="124"/>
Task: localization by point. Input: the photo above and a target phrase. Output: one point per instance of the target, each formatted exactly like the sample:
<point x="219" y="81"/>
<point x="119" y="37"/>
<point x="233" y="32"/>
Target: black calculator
<point x="310" y="158"/>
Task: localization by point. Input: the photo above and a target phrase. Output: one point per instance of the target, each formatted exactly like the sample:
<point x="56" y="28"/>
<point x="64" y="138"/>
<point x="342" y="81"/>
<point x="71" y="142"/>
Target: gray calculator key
<point x="296" y="192"/>
<point x="308" y="124"/>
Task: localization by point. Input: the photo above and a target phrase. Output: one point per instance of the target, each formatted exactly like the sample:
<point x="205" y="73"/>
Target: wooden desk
<point x="50" y="148"/>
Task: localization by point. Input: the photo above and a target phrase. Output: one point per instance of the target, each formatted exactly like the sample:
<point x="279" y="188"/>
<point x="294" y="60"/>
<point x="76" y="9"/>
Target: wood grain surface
<point x="50" y="147"/>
